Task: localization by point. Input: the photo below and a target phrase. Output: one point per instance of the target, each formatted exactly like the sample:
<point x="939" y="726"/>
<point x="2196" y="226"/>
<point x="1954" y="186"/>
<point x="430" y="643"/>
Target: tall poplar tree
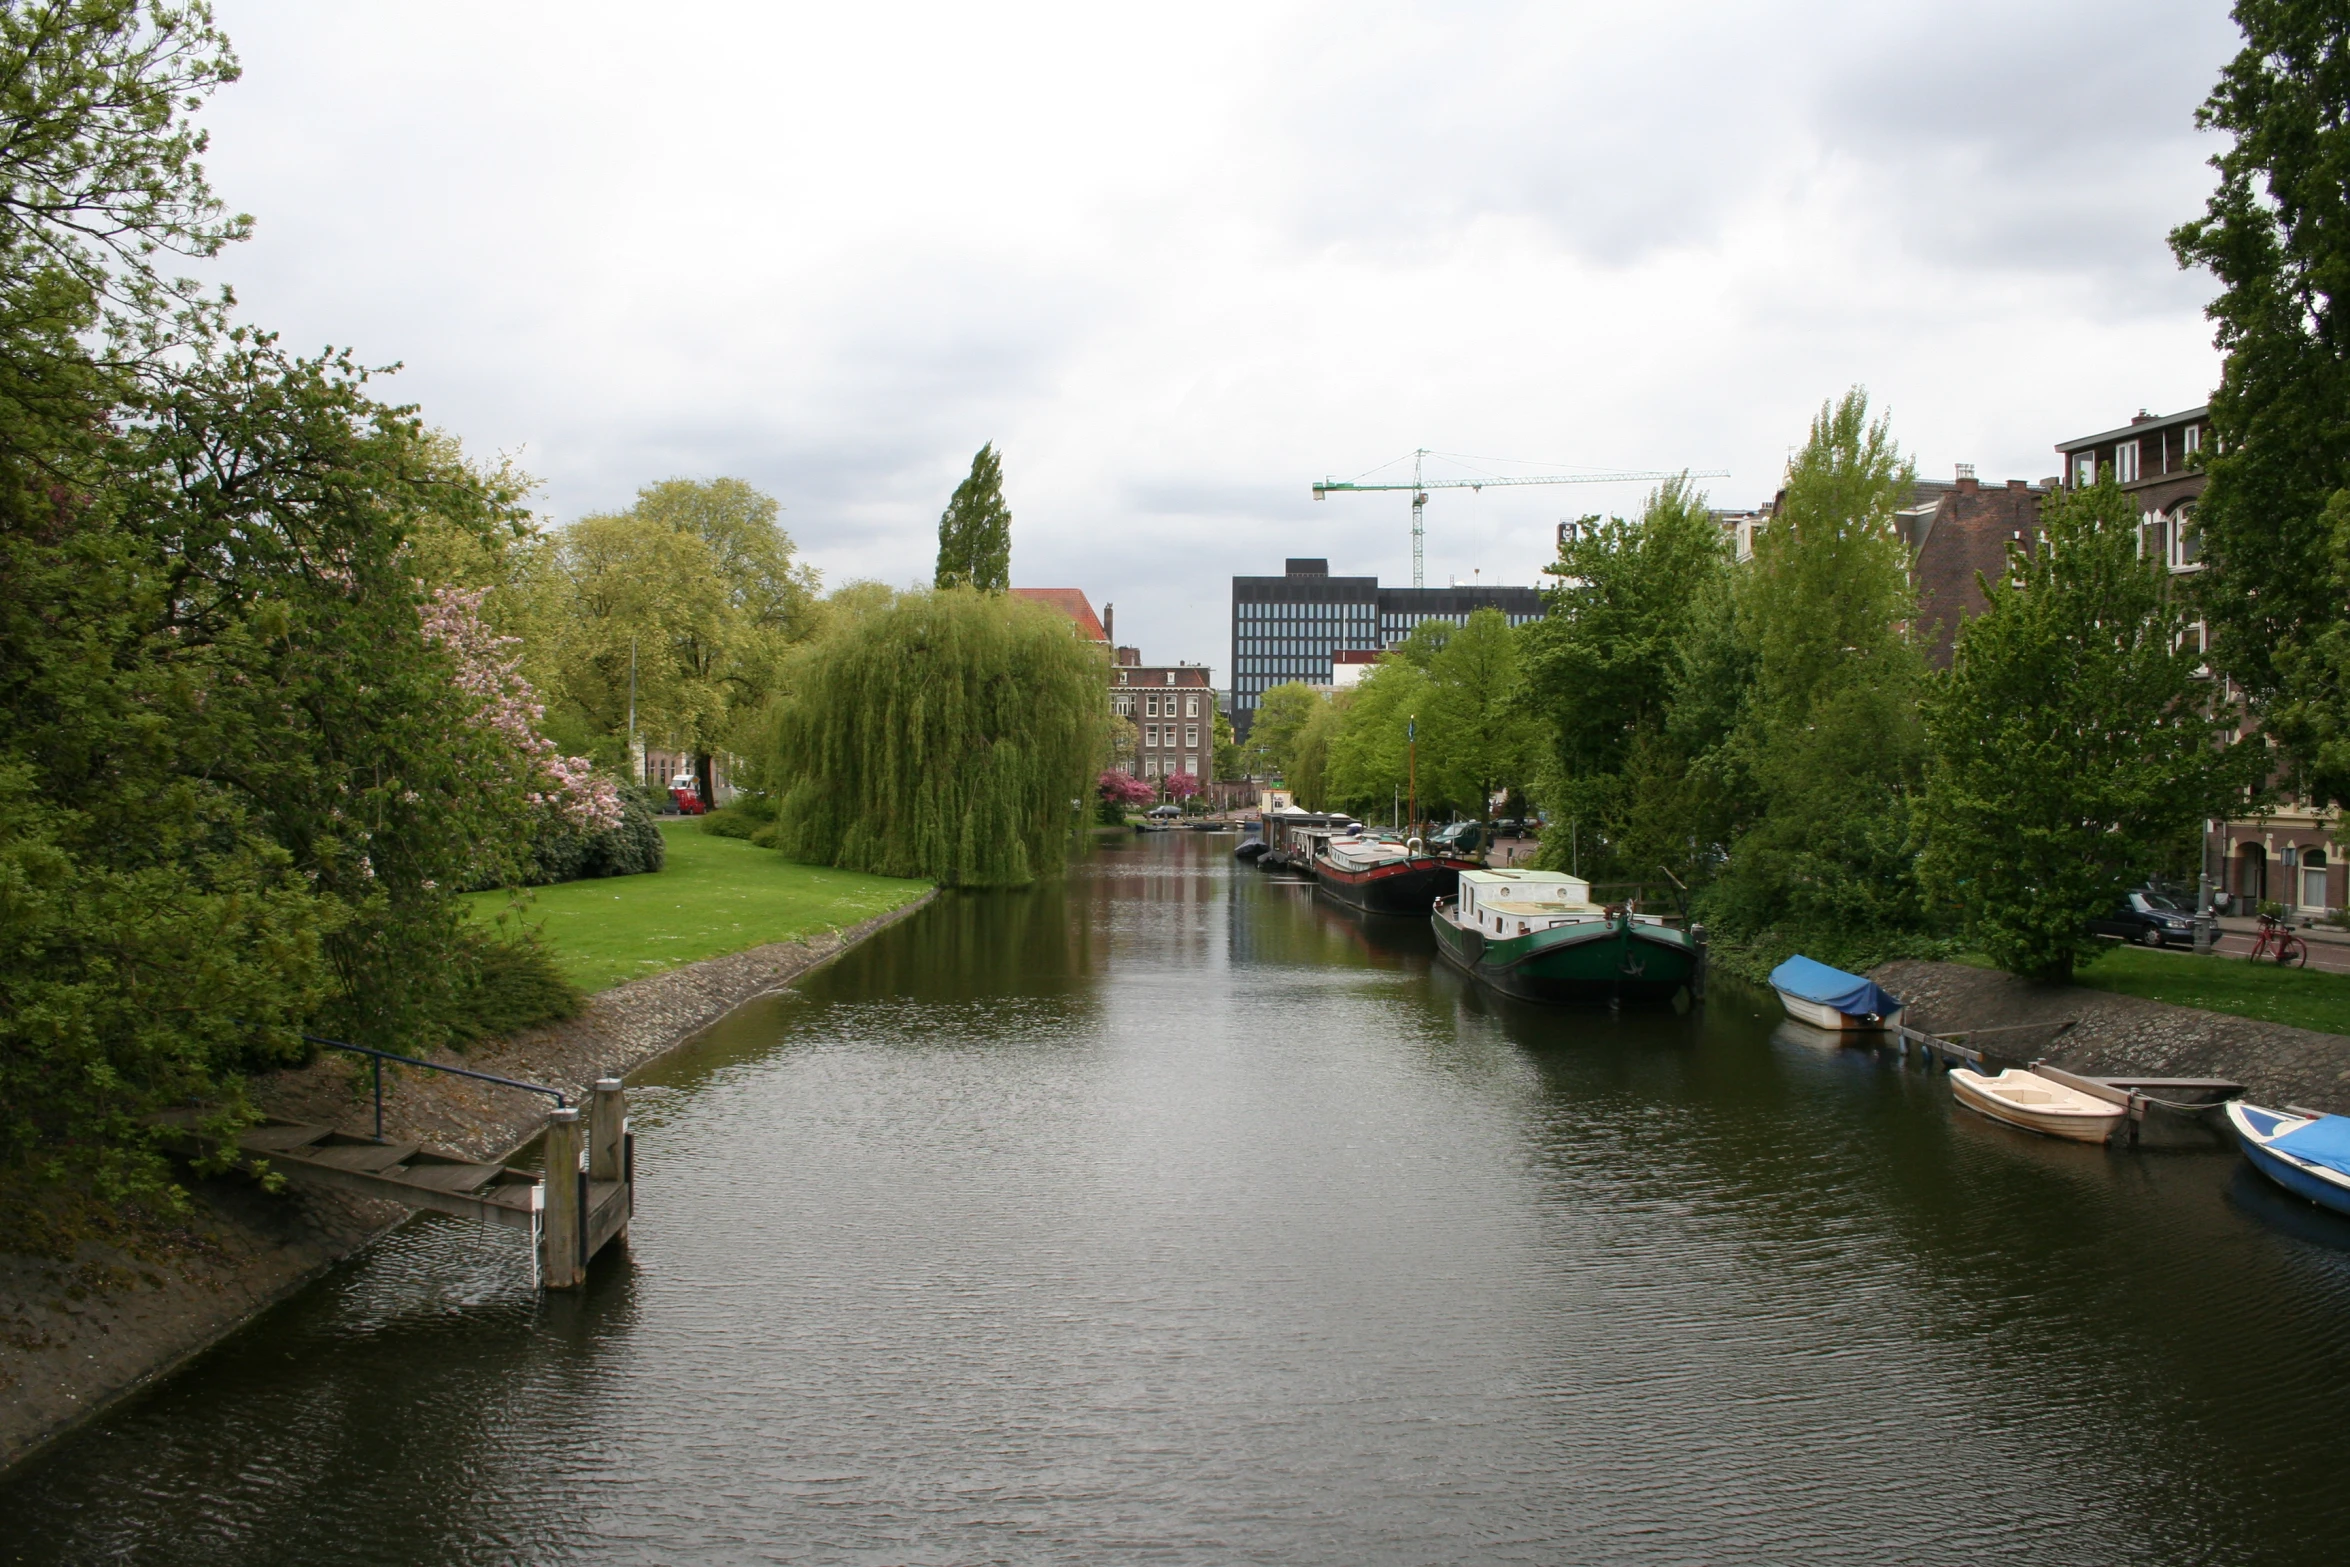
<point x="975" y="531"/>
<point x="1829" y="740"/>
<point x="2276" y="234"/>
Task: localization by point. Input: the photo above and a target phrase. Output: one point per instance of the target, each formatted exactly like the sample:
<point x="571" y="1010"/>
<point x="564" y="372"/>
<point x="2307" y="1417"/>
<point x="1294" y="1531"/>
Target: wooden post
<point x="562" y="1236"/>
<point x="607" y="1124"/>
<point x="608" y="1154"/>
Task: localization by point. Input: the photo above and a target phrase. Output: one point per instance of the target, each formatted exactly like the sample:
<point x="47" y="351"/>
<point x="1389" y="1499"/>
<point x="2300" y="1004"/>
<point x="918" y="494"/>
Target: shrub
<point x="743" y="818"/>
<point x="510" y="982"/>
<point x="565" y="851"/>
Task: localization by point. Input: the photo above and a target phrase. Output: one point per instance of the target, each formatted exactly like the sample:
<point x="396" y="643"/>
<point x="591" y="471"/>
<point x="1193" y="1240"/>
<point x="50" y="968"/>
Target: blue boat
<point x="1829" y="998"/>
<point x="2308" y="1155"/>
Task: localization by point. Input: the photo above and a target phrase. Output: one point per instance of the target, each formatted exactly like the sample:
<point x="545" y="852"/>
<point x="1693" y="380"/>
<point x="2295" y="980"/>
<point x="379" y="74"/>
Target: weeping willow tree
<point x="944" y="737"/>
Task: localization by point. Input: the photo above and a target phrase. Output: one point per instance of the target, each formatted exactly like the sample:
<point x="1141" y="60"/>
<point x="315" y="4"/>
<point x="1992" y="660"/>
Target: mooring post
<point x="608" y="1151"/>
<point x="607" y="1125"/>
<point x="1697" y="939"/>
<point x="564" y="1232"/>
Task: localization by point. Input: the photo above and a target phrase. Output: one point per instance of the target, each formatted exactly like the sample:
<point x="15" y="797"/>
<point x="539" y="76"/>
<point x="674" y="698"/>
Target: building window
<point x="2084" y="470"/>
<point x="2313" y="878"/>
<point x="1191" y="766"/>
<point x="2194" y="439"/>
<point x="2125" y="462"/>
<point x="1191" y="734"/>
<point x="1191" y="707"/>
<point x="2186" y="545"/>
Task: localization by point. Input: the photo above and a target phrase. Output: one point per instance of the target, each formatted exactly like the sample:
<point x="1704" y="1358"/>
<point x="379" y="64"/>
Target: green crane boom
<point x="1420" y="488"/>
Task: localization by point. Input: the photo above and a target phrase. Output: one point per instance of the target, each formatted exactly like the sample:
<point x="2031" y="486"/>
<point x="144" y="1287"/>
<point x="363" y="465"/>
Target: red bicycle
<point x="2278" y="944"/>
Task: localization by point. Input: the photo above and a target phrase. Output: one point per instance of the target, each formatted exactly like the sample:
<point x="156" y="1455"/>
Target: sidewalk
<point x="2235" y="925"/>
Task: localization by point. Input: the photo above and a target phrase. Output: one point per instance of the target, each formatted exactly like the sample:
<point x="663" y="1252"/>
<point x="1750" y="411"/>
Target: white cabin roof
<point x="1547" y="886"/>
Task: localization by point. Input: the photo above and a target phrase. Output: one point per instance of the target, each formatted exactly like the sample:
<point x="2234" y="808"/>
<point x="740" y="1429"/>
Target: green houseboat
<point x="1538" y="936"/>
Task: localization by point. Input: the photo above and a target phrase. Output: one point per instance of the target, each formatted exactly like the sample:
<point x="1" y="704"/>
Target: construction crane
<point x="1420" y="486"/>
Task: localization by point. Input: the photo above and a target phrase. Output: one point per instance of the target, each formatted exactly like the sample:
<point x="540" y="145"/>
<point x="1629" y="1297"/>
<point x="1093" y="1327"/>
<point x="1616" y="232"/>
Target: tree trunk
<point x="703" y="780"/>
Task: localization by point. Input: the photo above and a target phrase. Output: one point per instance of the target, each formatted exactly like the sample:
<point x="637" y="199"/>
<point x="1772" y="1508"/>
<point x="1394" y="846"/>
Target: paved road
<point x="2331" y="957"/>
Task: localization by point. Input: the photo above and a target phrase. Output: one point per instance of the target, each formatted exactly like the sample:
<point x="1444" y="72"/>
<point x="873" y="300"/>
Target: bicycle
<point x="2278" y="944"/>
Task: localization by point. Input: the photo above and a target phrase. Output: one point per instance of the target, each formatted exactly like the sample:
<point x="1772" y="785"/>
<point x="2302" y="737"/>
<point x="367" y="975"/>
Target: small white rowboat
<point x="2036" y="1104"/>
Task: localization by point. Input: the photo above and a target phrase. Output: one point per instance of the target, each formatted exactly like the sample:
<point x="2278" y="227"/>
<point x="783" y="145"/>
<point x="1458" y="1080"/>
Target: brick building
<point x="1956" y="530"/>
<point x="1173" y="710"/>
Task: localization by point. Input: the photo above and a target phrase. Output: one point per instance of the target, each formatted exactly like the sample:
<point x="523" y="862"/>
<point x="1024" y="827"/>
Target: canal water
<point x="1168" y="1214"/>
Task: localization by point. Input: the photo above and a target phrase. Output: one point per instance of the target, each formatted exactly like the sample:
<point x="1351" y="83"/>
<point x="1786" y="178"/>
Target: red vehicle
<point x="685" y="792"/>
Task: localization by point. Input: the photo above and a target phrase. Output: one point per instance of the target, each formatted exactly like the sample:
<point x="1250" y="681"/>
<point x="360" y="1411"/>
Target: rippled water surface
<point x="1169" y="1215"/>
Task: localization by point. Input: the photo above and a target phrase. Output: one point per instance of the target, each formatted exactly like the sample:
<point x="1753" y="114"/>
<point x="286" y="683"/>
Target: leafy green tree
<point x="1230" y="765"/>
<point x="1282" y="714"/>
<point x="757" y="561"/>
<point x="950" y="736"/>
<point x="2276" y="234"/>
<point x="241" y="774"/>
<point x="975" y="531"/>
<point x="1477" y="734"/>
<point x="1602" y="676"/>
<point x="1829" y="739"/>
<point x="693" y="596"/>
<point x="1310" y="761"/>
<point x="2073" y="742"/>
<point x="1369" y="753"/>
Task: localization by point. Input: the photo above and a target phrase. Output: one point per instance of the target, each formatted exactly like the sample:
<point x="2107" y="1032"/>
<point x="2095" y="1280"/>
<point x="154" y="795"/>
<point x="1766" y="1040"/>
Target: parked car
<point x="1458" y="838"/>
<point x="2148" y="918"/>
<point x="1164" y="813"/>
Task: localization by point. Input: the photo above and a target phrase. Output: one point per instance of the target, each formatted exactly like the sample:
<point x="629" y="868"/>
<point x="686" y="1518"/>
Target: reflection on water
<point x="1169" y="1214"/>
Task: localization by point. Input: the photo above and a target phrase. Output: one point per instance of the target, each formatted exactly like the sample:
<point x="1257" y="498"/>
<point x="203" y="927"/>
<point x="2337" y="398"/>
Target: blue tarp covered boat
<point x="1828" y="997"/>
<point x="2306" y="1155"/>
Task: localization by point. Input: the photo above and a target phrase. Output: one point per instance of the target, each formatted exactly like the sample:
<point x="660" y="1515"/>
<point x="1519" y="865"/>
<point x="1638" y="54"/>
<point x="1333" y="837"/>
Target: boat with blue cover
<point x="2308" y="1155"/>
<point x="1829" y="998"/>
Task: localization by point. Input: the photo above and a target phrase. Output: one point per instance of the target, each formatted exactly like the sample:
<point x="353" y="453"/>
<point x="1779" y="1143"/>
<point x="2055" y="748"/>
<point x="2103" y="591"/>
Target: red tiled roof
<point x="1071" y="602"/>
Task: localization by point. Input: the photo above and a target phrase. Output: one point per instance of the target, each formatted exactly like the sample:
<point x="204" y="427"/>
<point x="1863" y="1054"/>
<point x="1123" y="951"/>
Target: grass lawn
<point x="716" y="895"/>
<point x="2301" y="997"/>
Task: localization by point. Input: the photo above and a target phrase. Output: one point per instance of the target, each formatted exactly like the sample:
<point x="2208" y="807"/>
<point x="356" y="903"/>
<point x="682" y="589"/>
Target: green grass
<point x="2303" y="998"/>
<point x="715" y="896"/>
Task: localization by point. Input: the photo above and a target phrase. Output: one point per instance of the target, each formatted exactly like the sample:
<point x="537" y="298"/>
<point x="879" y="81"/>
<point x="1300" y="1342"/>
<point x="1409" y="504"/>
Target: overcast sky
<point x="1178" y="263"/>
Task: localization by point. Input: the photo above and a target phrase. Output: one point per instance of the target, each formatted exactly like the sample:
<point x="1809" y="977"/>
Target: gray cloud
<point x="1180" y="267"/>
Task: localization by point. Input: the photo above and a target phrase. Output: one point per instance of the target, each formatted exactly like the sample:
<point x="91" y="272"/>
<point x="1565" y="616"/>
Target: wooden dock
<point x="582" y="1200"/>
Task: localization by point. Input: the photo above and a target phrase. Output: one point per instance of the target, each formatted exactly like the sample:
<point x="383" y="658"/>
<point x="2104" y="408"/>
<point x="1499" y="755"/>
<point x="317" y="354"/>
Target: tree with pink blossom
<point x="491" y="674"/>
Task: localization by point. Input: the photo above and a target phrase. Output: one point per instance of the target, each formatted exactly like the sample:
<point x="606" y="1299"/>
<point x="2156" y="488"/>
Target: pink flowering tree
<point x="490" y="673"/>
<point x="1122" y="788"/>
<point x="1180" y="787"/>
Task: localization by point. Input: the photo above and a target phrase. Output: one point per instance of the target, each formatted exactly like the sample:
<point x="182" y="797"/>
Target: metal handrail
<point x="381" y="1056"/>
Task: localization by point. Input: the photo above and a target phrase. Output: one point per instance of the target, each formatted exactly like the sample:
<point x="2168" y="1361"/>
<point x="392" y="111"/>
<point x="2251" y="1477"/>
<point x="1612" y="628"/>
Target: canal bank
<point x="2118" y="1035"/>
<point x="80" y="1338"/>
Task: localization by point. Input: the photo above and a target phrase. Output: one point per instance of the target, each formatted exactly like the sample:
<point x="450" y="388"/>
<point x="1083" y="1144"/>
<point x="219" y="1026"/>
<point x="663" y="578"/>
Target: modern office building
<point x="1292" y="626"/>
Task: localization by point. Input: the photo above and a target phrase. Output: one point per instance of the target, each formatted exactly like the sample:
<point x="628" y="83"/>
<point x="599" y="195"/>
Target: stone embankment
<point x="78" y="1337"/>
<point x="2125" y="1035"/>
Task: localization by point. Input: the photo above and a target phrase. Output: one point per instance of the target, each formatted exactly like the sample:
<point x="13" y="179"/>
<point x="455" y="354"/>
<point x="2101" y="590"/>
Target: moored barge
<point x="1537" y="935"/>
<point x="1381" y="877"/>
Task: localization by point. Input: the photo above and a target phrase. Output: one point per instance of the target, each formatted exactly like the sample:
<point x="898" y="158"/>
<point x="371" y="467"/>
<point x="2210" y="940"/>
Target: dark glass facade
<point x="1287" y="627"/>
